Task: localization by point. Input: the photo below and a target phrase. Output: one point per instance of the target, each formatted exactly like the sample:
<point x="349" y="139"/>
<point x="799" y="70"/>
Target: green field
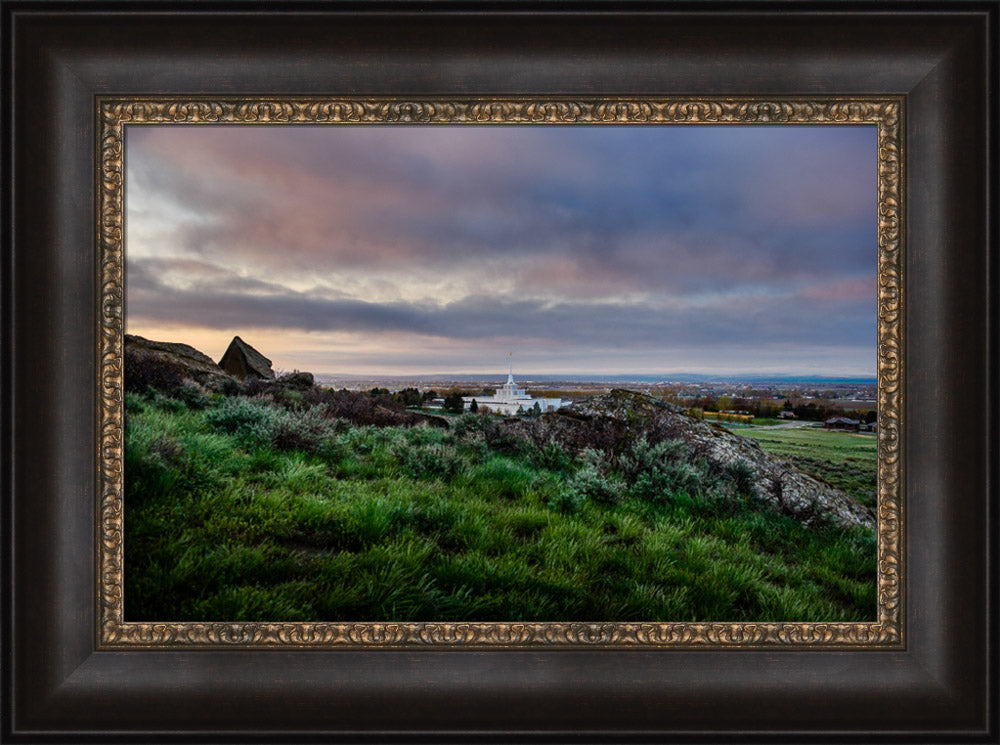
<point x="265" y="509"/>
<point x="845" y="460"/>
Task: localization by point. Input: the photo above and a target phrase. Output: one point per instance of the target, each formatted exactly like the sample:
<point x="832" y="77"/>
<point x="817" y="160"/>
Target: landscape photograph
<point x="500" y="373"/>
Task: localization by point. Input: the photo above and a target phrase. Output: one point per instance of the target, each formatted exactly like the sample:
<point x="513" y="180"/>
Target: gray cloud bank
<point x="601" y="237"/>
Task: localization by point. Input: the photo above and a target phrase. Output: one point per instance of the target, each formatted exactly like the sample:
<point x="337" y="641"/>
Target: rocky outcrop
<point x="296" y="381"/>
<point x="786" y="487"/>
<point x="188" y="361"/>
<point x="430" y="420"/>
<point x="243" y="361"/>
<point x="242" y="368"/>
<point x="625" y="406"/>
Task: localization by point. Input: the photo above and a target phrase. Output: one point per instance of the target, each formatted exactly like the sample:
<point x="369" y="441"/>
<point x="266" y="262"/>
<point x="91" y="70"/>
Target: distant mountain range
<point x="755" y="378"/>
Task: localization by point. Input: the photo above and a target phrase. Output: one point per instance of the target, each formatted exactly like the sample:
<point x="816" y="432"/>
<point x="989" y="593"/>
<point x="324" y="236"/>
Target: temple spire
<point x="510" y="374"/>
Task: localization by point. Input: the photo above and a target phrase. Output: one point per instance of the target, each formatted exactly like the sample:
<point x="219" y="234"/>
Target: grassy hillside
<point x="258" y="509"/>
<point x="845" y="460"/>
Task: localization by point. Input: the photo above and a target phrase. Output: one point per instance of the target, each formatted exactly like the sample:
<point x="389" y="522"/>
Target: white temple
<point x="509" y="399"/>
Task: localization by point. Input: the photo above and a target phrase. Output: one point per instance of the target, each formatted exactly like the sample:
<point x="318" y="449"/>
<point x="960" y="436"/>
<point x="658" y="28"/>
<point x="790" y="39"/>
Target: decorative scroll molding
<point x="886" y="113"/>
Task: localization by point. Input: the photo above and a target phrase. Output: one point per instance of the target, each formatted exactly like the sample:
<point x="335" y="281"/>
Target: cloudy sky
<point x="440" y="249"/>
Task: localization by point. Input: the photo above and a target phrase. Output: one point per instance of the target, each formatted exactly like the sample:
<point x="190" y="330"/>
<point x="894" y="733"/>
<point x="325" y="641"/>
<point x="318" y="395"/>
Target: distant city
<point x="809" y="397"/>
<point x="636" y="378"/>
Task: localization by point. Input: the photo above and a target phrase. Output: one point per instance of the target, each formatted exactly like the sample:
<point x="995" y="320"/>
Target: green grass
<point x="845" y="460"/>
<point x="233" y="514"/>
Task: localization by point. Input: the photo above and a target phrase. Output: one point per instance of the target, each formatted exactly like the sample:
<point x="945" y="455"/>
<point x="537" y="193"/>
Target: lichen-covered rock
<point x="296" y="380"/>
<point x="622" y="405"/>
<point x="784" y="486"/>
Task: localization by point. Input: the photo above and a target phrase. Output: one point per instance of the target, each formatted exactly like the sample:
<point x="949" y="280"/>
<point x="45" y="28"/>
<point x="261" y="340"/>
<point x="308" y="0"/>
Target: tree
<point x="453" y="402"/>
<point x="409" y="397"/>
<point x="536" y="410"/>
<point x="473" y="407"/>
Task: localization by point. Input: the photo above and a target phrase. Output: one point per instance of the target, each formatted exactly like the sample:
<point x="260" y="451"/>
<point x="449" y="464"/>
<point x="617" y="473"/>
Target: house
<point x="842" y="422"/>
<point x="786" y="415"/>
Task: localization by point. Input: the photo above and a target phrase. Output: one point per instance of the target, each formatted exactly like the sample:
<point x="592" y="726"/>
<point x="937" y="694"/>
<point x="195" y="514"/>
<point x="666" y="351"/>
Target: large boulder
<point x="183" y="359"/>
<point x="296" y="381"/>
<point x="786" y="487"/>
<point x="430" y="420"/>
<point x="243" y="361"/>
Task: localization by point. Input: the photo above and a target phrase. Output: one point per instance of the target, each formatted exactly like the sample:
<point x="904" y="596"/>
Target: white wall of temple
<point x="509" y="399"/>
<point x="509" y="406"/>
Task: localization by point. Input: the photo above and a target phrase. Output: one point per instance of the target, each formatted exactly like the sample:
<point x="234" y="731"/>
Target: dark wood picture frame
<point x="58" y="58"/>
<point x="119" y="115"/>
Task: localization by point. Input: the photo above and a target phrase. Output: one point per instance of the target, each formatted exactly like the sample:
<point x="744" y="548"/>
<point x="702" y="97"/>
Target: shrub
<point x="134" y="403"/>
<point x="552" y="457"/>
<point x="360" y="408"/>
<point x="477" y="450"/>
<point x="286" y="430"/>
<point x="228" y="386"/>
<point x="776" y="489"/>
<point x="501" y="439"/>
<point x="468" y="425"/>
<point x="290" y="399"/>
<point x="567" y="501"/>
<point x="428" y="463"/>
<point x="418" y="436"/>
<point x="192" y="394"/>
<point x="662" y="485"/>
<point x="235" y="414"/>
<point x="498" y="436"/>
<point x="166" y="403"/>
<point x="607" y="435"/>
<point x="260" y="423"/>
<point x="590" y="483"/>
<point x="742" y="476"/>
<point x="253" y="386"/>
<point x="658" y="471"/>
<point x="645" y="458"/>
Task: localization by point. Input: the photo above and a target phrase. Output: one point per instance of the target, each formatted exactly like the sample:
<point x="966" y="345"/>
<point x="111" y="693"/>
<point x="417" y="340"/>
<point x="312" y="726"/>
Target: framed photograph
<point x="621" y="508"/>
<point x="585" y="367"/>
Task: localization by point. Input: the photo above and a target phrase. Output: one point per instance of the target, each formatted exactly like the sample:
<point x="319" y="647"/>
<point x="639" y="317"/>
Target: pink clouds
<point x="567" y="237"/>
<point x="859" y="290"/>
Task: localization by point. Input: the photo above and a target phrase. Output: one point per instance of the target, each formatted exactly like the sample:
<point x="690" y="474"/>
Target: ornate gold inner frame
<point x="113" y="114"/>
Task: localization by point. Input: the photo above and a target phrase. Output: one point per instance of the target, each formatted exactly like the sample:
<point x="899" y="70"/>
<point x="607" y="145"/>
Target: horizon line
<point x="785" y="375"/>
